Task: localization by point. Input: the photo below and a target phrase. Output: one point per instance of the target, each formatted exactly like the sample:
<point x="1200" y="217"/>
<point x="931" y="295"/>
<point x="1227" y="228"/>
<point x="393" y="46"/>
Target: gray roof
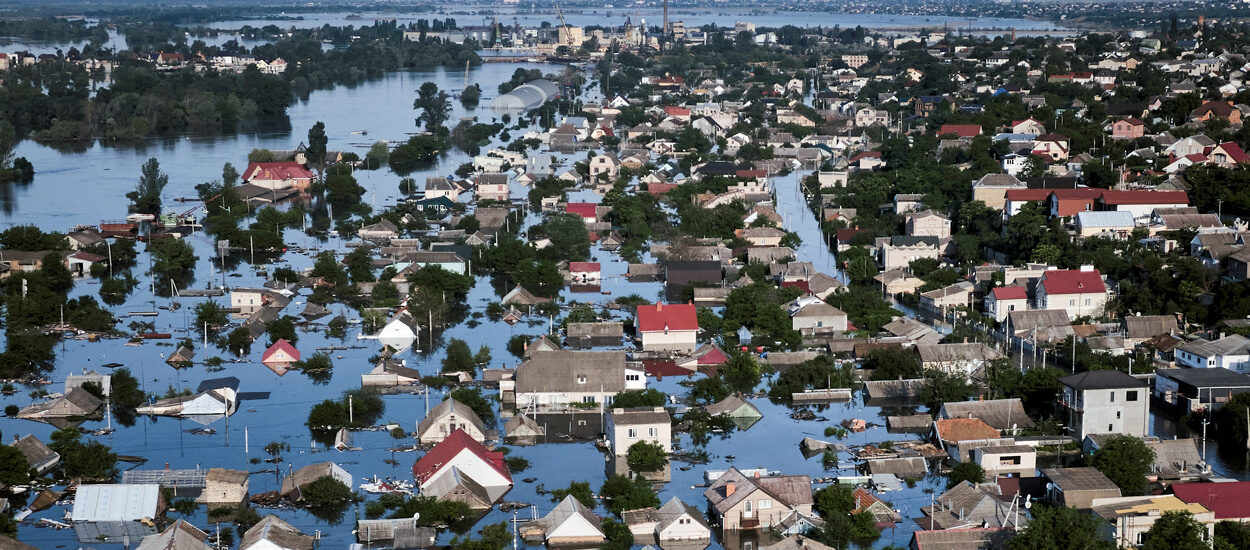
<point x="1233" y="344"/>
<point x="572" y="371"/>
<point x="607" y="330"/>
<point x="1002" y="414"/>
<point x="788" y="491"/>
<point x="914" y="240"/>
<point x="636" y="416"/>
<point x="1102" y="380"/>
<point x="179" y="536"/>
<point x="1080" y="479"/>
<point x="1119" y="219"/>
<point x="566" y="509"/>
<point x="1149" y="326"/>
<point x="967" y="505"/>
<point x="1203" y="378"/>
<point x="674" y="509"/>
<point x="946" y="353"/>
<point x="730" y="405"/>
<point x="961" y="539"/>
<point x="912" y="466"/>
<point x="450" y="406"/>
<point x="277" y="531"/>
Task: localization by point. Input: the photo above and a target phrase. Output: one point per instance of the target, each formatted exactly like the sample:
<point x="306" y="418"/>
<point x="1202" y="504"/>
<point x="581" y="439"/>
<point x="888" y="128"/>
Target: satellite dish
<point x="1028" y="504"/>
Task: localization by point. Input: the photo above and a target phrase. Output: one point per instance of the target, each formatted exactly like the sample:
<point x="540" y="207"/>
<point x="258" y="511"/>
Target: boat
<point x="140" y="217"/>
<point x="360" y="133"/>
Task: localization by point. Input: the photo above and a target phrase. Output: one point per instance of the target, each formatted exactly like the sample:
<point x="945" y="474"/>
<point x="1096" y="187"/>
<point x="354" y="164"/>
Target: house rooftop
<point x="1204" y="378"/>
<point x="1102" y="380"/>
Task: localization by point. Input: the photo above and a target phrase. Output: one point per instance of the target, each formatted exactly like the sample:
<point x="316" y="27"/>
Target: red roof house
<point x="461" y="457"/>
<point x="1070" y="202"/>
<point x="1226" y="154"/>
<point x="584" y="272"/>
<point x="674" y="111"/>
<point x="1010" y="293"/>
<point x="588" y="211"/>
<point x="1229" y="500"/>
<point x="960" y="130"/>
<point x="280" y="353"/>
<point x="671" y="327"/>
<point x="1080" y="292"/>
<point x="278" y="175"/>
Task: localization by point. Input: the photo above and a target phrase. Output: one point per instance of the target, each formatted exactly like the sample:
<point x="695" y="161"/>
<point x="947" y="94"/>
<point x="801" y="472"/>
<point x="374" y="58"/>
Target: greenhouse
<point x="527" y="96"/>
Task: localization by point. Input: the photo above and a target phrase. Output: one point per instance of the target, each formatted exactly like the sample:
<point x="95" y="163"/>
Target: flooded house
<point x="668" y="327"/>
<point x="675" y="524"/>
<point x="400" y="332"/>
<point x="589" y="335"/>
<point x="213" y="399"/>
<point x="523" y="430"/>
<point x="224" y="487"/>
<point x="447" y="417"/>
<point x="39" y="456"/>
<point x="112" y="513"/>
<point x="76" y="403"/>
<point x="280" y="356"/>
<point x="272" y="533"/>
<point x="739" y="502"/>
<point x="178" y="536"/>
<point x="626" y="427"/>
<point x="570" y="523"/>
<point x="293" y="485"/>
<point x="554" y="379"/>
<point x="460" y="468"/>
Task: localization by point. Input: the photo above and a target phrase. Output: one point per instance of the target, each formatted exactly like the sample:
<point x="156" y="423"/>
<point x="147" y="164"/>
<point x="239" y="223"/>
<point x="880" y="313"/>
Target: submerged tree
<point x="146" y="198"/>
<point x="434" y="106"/>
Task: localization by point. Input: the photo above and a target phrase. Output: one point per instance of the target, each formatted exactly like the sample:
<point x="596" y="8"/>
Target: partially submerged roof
<point x="1001" y="414"/>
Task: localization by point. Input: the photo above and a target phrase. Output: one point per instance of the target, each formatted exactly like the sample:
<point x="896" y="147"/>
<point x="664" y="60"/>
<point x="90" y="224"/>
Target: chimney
<point x="659" y="306"/>
<point x="757" y="474"/>
<point x="729" y="489"/>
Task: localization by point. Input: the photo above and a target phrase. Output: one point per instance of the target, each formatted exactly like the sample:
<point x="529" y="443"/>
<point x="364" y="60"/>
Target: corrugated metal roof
<point x="116" y="502"/>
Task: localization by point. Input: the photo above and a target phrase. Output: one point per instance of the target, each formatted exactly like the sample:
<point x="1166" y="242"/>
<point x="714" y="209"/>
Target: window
<point x="581" y="422"/>
<point x="1087" y="301"/>
<point x="1117" y="415"/>
<point x="1109" y="428"/>
<point x="1071" y="302"/>
<point x="632" y="377"/>
<point x="653" y="432"/>
<point x="1113" y="397"/>
<point x="588" y="399"/>
<point x="632" y="433"/>
<point x="1131" y="396"/>
<point x="765" y="504"/>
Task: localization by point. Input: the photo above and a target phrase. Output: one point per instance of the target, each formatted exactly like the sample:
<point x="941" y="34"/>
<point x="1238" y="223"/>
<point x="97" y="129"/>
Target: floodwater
<point x="83" y="187"/>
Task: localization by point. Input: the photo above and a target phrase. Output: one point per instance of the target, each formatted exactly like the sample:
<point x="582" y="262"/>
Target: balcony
<point x="749" y="522"/>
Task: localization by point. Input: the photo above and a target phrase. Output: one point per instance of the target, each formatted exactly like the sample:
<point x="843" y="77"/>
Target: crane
<point x="568" y="35"/>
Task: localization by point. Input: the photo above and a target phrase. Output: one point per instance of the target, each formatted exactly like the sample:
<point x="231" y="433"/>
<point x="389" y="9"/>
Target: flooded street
<point x="87" y="186"/>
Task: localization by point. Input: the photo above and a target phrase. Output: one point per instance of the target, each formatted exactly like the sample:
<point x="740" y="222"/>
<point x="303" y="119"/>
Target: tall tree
<point x="434" y="106"/>
<point x="1125" y="460"/>
<point x="229" y="175"/>
<point x="315" y="154"/>
<point x="146" y="198"/>
<point x="1176" y="529"/>
<point x="1060" y="527"/>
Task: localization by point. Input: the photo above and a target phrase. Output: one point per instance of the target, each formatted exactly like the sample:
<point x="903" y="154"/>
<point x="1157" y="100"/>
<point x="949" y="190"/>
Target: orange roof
<point x="964" y="429"/>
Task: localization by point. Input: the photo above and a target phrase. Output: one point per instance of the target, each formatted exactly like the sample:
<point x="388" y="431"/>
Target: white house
<point x="1231" y="352"/>
<point x="629" y="426"/>
<point x="814" y="315"/>
<point x="1080" y="292"/>
<point x="1105" y="401"/>
<point x="447" y="417"/>
<point x="672" y="327"/>
<point x="1003" y="300"/>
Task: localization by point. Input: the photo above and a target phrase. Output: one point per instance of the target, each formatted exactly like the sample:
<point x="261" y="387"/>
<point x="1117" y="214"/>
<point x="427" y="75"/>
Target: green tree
<point x="482" y="357"/>
<point x="1060" y="528"/>
<point x="1175" y="529"/>
<point x="473" y="399"/>
<point x="212" y="315"/>
<point x="1126" y="461"/>
<point x="14" y="470"/>
<point x="471" y="95"/>
<point x="569" y="238"/>
<point x="649" y="397"/>
<point x="315" y="153"/>
<point x="618" y="535"/>
<point x="459" y="357"/>
<point x="282" y="328"/>
<point x="741" y="372"/>
<point x="92" y="460"/>
<point x="327" y="491"/>
<point x="229" y="175"/>
<point x="434" y="106"/>
<point x="1231" y="535"/>
<point x="965" y="471"/>
<point x="646" y="456"/>
<point x="580" y="491"/>
<point x="893" y="363"/>
<point x="943" y="387"/>
<point x="146" y="198"/>
<point x="623" y="493"/>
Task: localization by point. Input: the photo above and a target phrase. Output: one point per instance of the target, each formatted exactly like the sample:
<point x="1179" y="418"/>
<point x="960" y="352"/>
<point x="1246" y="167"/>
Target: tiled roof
<point x="963" y="429"/>
<point x="1073" y="281"/>
<point x="276" y="171"/>
<point x="1010" y="293"/>
<point x="1228" y="500"/>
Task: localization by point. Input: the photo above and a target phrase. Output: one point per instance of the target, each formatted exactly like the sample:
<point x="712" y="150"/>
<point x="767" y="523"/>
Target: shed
<point x="39" y="456"/>
<point x="904" y="467"/>
<point x="178" y="536"/>
<point x="272" y="533"/>
<point x="1078" y="487"/>
<point x="1001" y="414"/>
<point x="586" y="335"/>
<point x="223" y="487"/>
<point x="395" y="533"/>
<point x="116" y="502"/>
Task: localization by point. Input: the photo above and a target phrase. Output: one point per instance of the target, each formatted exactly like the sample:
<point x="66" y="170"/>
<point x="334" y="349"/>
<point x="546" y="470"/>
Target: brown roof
<point x="1080" y="479"/>
<point x="964" y="429"/>
<point x="1002" y="414"/>
<point x="559" y="371"/>
<point x="1149" y="326"/>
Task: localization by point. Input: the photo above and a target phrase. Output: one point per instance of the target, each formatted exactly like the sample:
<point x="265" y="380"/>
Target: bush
<point x="622" y="493"/>
<point x="965" y="471"/>
<point x="327" y="491"/>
